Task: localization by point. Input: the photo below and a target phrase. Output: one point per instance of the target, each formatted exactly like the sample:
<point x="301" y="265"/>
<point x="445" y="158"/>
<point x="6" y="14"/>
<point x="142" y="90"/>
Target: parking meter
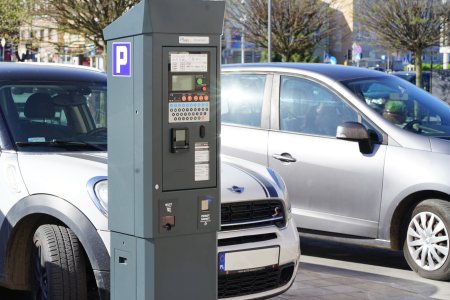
<point x="163" y="149"/>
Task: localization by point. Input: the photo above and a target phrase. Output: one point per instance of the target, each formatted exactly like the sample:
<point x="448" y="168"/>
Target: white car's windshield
<point x="404" y="104"/>
<point x="55" y="116"/>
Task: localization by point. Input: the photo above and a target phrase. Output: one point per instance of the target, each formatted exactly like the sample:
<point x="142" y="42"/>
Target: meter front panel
<point x="190" y="122"/>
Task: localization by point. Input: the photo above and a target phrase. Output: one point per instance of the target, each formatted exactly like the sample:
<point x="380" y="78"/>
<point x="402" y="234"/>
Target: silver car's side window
<point x="308" y="107"/>
<point x="242" y="99"/>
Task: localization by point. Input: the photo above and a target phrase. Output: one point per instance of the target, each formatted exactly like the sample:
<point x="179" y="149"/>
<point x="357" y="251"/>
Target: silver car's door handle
<point x="284" y="157"/>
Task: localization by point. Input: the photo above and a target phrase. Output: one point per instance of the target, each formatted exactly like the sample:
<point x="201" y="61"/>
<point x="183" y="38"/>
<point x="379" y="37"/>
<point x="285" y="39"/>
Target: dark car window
<point x="242" y="99"/>
<point x="50" y="116"/>
<point x="411" y="77"/>
<point x="307" y="107"/>
<point x="404" y="105"/>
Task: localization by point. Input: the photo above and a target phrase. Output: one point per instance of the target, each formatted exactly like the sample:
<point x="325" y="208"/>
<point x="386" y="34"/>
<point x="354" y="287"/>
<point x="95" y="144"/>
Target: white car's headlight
<point x="98" y="190"/>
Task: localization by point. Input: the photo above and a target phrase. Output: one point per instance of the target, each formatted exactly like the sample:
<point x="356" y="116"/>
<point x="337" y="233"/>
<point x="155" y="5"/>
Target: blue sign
<point x="221" y="262"/>
<point x="121" y="59"/>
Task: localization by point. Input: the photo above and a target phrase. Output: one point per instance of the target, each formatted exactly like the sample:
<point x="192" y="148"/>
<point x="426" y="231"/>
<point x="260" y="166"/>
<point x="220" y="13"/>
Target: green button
<point x="199" y="81"/>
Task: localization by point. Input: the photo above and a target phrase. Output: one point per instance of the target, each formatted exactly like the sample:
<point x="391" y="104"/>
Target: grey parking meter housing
<point x="163" y="149"/>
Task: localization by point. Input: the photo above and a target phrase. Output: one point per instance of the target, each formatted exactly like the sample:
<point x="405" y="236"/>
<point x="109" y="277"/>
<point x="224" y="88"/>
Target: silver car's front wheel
<point x="427" y="242"/>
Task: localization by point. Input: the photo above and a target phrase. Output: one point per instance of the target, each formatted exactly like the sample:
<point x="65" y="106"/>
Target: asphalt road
<point x="332" y="270"/>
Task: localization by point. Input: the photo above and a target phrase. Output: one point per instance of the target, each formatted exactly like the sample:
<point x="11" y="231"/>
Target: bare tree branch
<point x="85" y="17"/>
<point x="409" y="25"/>
<point x="298" y="26"/>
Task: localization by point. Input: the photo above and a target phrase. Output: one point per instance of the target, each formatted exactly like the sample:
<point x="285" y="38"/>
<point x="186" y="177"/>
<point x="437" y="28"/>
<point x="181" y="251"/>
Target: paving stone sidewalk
<point x="331" y="270"/>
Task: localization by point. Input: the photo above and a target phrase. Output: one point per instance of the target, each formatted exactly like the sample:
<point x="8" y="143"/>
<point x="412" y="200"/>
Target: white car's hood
<point x="65" y="175"/>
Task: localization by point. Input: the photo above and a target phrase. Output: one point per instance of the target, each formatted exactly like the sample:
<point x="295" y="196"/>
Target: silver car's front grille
<point x="250" y="214"/>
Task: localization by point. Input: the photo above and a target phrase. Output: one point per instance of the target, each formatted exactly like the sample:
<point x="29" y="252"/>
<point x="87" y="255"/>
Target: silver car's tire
<point x="58" y="266"/>
<point x="427" y="239"/>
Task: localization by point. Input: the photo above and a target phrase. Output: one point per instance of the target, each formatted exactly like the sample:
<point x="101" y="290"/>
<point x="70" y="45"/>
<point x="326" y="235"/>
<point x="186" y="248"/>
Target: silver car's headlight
<point x="98" y="190"/>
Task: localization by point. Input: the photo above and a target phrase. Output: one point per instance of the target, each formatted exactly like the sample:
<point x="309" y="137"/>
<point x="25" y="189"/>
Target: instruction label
<point x="201" y="161"/>
<point x="188" y="62"/>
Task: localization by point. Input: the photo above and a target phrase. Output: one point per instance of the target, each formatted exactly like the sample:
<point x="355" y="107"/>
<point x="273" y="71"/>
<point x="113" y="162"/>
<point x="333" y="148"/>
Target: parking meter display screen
<point x="183" y="83"/>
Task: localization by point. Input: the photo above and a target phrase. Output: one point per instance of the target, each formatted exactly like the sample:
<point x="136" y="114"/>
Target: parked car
<point x="54" y="237"/>
<point x="365" y="155"/>
<point x="411" y="77"/>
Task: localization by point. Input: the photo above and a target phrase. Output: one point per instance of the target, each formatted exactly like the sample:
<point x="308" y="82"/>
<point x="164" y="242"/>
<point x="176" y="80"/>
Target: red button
<point x="204" y="88"/>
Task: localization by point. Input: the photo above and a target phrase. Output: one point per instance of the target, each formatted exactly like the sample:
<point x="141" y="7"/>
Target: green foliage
<point x="307" y="58"/>
<point x="11" y="17"/>
<point x="427" y="67"/>
<point x="296" y="57"/>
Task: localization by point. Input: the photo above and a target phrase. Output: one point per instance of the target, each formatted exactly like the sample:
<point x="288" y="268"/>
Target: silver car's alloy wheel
<point x="428" y="241"/>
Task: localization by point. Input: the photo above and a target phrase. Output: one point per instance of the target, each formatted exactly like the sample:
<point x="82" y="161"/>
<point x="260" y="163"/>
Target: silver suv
<point x="365" y="155"/>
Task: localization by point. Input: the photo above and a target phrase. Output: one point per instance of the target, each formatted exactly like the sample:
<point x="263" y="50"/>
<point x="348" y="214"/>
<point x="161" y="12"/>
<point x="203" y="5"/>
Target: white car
<point x="54" y="238"/>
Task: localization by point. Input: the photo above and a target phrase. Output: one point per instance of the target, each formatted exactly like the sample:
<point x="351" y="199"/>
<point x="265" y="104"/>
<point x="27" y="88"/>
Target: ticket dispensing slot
<point x="180" y="139"/>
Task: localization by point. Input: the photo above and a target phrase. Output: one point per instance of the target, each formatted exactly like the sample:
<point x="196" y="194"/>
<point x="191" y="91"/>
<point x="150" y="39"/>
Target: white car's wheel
<point x="58" y="266"/>
<point x="427" y="241"/>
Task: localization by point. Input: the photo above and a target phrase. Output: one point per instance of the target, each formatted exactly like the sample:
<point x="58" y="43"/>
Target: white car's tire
<point x="427" y="239"/>
<point x="58" y="266"/>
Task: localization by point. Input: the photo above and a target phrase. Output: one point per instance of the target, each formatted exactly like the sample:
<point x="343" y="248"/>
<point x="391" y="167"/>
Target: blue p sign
<point x="121" y="59"/>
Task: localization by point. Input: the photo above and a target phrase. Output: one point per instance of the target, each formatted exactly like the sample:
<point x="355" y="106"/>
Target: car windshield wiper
<point x="61" y="143"/>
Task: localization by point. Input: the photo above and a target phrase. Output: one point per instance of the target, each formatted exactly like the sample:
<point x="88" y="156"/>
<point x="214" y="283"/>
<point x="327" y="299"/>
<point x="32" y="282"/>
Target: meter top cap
<point x="147" y="18"/>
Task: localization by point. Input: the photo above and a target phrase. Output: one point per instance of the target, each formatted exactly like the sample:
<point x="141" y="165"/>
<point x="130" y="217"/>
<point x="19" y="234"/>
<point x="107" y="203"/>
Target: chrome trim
<point x="91" y="191"/>
<point x="254" y="222"/>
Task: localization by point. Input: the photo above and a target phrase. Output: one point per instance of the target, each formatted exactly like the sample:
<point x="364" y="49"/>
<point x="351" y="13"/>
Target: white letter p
<point x="121" y="57"/>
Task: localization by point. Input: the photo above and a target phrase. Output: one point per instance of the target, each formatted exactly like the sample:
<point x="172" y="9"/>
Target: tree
<point x="11" y="17"/>
<point x="298" y="26"/>
<point x="85" y="17"/>
<point x="409" y="25"/>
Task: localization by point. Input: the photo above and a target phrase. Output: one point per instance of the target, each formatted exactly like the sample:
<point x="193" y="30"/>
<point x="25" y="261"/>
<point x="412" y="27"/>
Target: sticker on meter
<point x="188" y="62"/>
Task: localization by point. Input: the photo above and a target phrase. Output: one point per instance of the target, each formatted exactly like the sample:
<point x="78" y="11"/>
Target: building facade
<point x="42" y="41"/>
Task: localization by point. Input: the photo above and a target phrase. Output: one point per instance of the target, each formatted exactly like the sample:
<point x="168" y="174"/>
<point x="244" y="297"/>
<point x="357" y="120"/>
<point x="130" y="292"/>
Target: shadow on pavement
<point x="352" y="253"/>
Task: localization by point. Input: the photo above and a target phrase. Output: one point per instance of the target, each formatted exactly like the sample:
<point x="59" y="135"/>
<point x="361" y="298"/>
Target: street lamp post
<point x="242" y="46"/>
<point x="243" y="20"/>
<point x="269" y="31"/>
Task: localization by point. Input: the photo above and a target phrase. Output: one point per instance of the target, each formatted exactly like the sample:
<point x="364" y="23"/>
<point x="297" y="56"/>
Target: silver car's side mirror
<point x="355" y="132"/>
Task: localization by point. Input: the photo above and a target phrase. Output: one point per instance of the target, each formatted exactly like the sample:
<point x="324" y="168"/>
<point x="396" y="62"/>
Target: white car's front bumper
<point x="285" y="239"/>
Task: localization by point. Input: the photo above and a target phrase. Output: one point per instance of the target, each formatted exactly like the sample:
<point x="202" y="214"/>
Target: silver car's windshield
<point x="404" y="104"/>
<point x="55" y="116"/>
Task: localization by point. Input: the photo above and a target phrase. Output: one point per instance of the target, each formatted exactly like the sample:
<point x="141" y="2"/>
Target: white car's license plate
<point x="238" y="261"/>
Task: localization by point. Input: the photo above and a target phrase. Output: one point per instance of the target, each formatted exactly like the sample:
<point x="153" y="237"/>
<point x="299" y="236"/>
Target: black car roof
<point x="336" y="72"/>
<point x="10" y="71"/>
